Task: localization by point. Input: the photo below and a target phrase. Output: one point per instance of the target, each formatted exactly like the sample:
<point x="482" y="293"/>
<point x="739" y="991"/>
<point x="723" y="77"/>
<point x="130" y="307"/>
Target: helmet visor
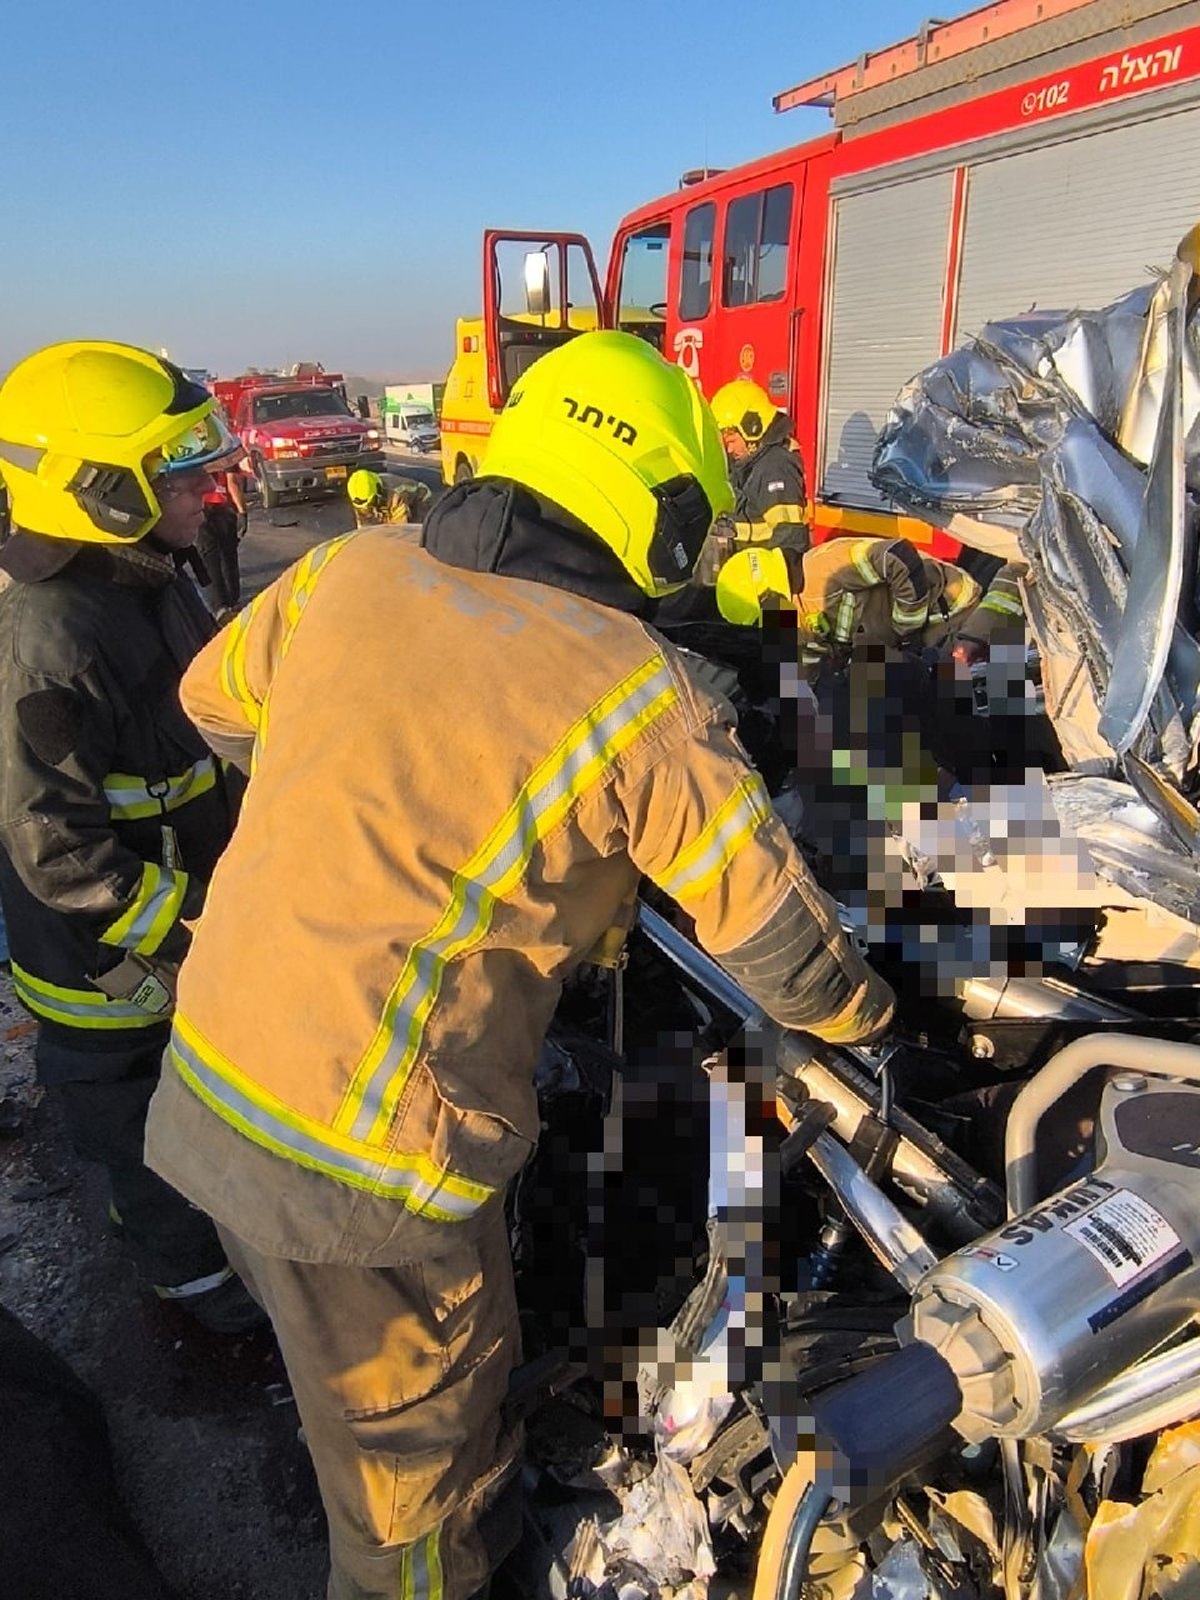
<point x="203" y="443"/>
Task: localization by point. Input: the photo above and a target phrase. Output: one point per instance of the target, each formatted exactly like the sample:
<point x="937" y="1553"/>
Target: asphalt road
<point x="277" y="538"/>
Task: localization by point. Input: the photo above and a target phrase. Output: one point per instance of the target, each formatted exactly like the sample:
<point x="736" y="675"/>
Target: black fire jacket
<point x="113" y="811"/>
<point x="771" y="496"/>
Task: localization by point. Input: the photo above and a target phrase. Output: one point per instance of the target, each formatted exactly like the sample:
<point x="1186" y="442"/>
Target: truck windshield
<point x="299" y="403"/>
<point x="418" y="419"/>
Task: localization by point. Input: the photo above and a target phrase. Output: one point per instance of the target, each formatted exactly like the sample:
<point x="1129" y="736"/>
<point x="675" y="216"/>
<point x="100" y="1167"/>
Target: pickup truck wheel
<point x="462" y="470"/>
<point x="269" y="495"/>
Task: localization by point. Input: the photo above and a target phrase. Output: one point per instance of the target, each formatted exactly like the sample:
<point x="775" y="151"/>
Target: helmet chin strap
<point x="680" y="529"/>
<point x="112" y="498"/>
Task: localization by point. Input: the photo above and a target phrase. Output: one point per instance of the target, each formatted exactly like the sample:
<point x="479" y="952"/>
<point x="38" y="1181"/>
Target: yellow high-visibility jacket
<point x="457" y="782"/>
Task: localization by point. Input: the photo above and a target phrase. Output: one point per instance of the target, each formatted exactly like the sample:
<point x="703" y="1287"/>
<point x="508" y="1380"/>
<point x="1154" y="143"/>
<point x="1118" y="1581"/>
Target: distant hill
<point x="373" y="388"/>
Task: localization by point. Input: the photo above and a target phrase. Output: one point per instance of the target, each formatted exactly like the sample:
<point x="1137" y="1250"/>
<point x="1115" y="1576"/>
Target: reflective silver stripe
<point x="421" y="1568"/>
<point x="185" y="1291"/>
<point x="130" y="798"/>
<point x="404" y="1181"/>
<point x="164" y="892"/>
<point x="745" y="815"/>
<point x="522" y="839"/>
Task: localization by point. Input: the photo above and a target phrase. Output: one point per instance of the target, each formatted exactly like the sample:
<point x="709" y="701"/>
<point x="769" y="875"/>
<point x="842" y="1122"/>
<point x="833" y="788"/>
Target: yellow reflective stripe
<point x="752" y="531"/>
<point x="579" y="760"/>
<point x="310" y="569"/>
<point x="785" y="511"/>
<point x="843" y="627"/>
<point x="77" y="1008"/>
<point x="305" y="581"/>
<point x="703" y="862"/>
<point x="233" y="661"/>
<point x="144" y="924"/>
<point x="846" y="1027"/>
<point x="916" y="618"/>
<point x="860" y="555"/>
<point x="424" y="1187"/>
<point x="963" y="598"/>
<point x="1007" y="605"/>
<point x="129" y="796"/>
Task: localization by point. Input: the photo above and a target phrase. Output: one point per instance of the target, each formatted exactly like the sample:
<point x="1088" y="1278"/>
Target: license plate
<point x="336" y="472"/>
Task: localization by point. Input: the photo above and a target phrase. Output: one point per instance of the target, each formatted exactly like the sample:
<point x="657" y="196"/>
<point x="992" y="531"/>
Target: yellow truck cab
<point x="467" y="412"/>
<point x="550" y="275"/>
<point x="467" y="415"/>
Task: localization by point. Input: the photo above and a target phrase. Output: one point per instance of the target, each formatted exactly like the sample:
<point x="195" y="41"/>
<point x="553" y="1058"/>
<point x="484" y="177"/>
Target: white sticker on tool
<point x="1125" y="1234"/>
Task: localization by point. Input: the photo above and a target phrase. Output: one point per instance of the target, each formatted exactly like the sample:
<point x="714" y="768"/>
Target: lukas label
<point x="1125" y="1234"/>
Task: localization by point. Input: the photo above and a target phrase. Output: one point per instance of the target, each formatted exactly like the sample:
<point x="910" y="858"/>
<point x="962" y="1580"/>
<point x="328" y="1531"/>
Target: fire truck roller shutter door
<point x="1075" y="222"/>
<point x="884" y="321"/>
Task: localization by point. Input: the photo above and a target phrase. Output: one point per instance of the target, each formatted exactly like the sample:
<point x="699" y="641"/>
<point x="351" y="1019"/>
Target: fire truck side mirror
<point x="537" y="283"/>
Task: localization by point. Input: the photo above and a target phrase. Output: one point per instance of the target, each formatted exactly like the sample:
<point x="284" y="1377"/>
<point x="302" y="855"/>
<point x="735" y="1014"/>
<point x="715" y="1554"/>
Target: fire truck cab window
<point x="642" y="298"/>
<point x="695" y="283"/>
<point x="757" y="227"/>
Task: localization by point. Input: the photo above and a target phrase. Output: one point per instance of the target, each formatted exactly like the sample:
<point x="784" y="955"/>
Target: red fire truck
<point x="300" y="436"/>
<point x="1033" y="153"/>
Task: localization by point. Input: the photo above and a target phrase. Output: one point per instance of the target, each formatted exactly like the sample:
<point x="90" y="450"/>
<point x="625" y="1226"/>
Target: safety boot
<point x="220" y="1302"/>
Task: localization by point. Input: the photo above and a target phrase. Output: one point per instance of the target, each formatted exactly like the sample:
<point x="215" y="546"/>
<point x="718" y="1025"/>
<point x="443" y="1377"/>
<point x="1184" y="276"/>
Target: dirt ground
<point x="203" y="1429"/>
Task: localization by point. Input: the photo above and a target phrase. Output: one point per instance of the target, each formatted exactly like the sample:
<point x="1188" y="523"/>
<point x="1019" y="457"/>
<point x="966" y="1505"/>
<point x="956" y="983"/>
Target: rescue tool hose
<point x="787" y="1539"/>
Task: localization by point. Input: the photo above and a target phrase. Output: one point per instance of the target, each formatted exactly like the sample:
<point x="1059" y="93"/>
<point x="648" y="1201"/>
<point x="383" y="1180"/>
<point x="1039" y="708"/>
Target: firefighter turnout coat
<point x="113" y="810"/>
<point x="881" y="591"/>
<point x="457" y="780"/>
<point x="401" y="500"/>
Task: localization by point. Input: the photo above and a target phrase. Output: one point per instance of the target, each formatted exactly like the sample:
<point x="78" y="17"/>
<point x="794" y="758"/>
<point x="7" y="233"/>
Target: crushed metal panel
<point x="1156" y="580"/>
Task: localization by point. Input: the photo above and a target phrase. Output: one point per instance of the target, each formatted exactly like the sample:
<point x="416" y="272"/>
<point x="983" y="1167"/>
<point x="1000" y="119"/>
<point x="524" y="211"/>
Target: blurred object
<point x="60" y="1515"/>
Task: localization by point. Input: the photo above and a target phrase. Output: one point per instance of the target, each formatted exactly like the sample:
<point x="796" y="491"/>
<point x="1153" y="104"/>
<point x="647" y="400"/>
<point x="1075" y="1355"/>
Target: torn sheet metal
<point x="901" y="1575"/>
<point x="1080" y="433"/>
<point x="661" y="1536"/>
<point x="1152" y="1550"/>
<point x="1156" y="578"/>
<point x="1129" y="845"/>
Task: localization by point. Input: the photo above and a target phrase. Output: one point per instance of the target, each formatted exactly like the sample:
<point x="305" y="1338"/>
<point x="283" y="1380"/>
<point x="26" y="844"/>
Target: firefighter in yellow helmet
<point x="387" y="497"/>
<point x="112" y="810"/>
<point x="425" y="868"/>
<point x="766" y="472"/>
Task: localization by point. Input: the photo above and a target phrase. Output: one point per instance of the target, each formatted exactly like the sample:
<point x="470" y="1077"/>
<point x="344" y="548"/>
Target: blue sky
<point x="283" y="180"/>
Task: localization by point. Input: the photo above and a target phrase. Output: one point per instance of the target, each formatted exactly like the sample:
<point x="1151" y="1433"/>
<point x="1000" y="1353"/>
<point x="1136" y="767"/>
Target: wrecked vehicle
<point x="920" y="1321"/>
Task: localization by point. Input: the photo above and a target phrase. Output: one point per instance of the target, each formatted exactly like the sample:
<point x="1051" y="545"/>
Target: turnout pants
<point x="399" y="1374"/>
<point x="104" y="1095"/>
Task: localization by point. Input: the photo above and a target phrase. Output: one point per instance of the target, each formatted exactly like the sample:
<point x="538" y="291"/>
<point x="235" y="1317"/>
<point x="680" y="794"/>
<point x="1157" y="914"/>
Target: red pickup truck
<point x="300" y="435"/>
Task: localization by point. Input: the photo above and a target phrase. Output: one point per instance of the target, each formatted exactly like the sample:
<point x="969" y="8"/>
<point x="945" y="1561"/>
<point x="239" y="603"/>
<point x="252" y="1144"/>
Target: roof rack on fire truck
<point x="973" y="55"/>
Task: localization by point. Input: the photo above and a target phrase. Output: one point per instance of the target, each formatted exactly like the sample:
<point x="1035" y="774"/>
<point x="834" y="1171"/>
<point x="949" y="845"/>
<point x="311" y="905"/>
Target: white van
<point x="413" y="428"/>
